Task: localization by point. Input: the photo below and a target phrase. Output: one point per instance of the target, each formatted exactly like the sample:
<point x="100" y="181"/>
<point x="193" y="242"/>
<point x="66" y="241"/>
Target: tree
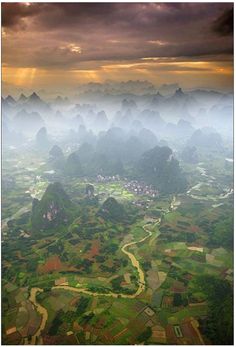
<point x="177" y="299"/>
<point x="219" y="294"/>
<point x="145" y="335"/>
<point x="116" y="283"/>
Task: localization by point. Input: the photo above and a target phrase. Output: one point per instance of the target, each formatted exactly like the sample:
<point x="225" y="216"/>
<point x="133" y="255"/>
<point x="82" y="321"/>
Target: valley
<point x="117" y="184"/>
<point x="150" y="265"/>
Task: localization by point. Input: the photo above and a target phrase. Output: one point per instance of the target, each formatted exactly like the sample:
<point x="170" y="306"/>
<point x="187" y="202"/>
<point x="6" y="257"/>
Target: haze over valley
<point x="117" y="174"/>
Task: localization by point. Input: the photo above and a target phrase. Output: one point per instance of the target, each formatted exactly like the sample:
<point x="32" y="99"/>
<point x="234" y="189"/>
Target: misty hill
<point x="56" y="152"/>
<point x="168" y="89"/>
<point x="87" y="161"/>
<point x="206" y="139"/>
<point x="190" y="155"/>
<point x="183" y="129"/>
<point x="73" y="165"/>
<point x="181" y="104"/>
<point x="110" y="142"/>
<point x="151" y="119"/>
<point x="61" y="101"/>
<point x="27" y="122"/>
<point x="53" y="210"/>
<point x="34" y="98"/>
<point x="221" y="116"/>
<point x="157" y="100"/>
<point x="77" y="121"/>
<point x="101" y="121"/>
<point x="32" y="103"/>
<point x="10" y="100"/>
<point x="56" y="157"/>
<point x="172" y="118"/>
<point x="113" y="153"/>
<point x="206" y="96"/>
<point x="112" y="210"/>
<point x="128" y="104"/>
<point x="148" y="138"/>
<point x="118" y="88"/>
<point x="158" y="168"/>
<point x="42" y="141"/>
<point x="22" y="98"/>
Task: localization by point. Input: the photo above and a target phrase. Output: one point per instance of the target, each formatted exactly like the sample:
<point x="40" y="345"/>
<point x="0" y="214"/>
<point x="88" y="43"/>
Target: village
<point x="133" y="186"/>
<point x="140" y="188"/>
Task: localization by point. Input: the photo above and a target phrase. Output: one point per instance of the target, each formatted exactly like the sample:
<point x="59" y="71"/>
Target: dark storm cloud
<point x="224" y="25"/>
<point x="141" y="17"/>
<point x="89" y="36"/>
<point x="14" y="13"/>
<point x="118" y="30"/>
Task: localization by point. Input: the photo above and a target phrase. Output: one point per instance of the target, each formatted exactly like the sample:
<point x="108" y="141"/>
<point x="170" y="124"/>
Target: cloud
<point x="88" y="36"/>
<point x="115" y="29"/>
<point x="13" y="14"/>
<point x="223" y="25"/>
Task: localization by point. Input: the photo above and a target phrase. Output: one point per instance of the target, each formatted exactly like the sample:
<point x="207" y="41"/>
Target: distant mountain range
<point x="31" y="103"/>
<point x="132" y="106"/>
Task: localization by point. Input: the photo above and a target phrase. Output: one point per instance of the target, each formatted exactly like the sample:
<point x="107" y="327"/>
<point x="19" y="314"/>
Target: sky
<point x="61" y="45"/>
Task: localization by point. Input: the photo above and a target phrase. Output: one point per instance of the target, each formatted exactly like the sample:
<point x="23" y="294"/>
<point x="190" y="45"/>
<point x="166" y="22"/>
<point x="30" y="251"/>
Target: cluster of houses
<point x="135" y="187"/>
<point x="105" y="179"/>
<point x="140" y="188"/>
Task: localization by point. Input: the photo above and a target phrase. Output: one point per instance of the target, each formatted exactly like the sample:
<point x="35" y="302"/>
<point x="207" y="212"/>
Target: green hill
<point x="112" y="210"/>
<point x="160" y="169"/>
<point x="53" y="210"/>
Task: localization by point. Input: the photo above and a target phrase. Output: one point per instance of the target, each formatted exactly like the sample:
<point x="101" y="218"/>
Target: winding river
<point x="209" y="197"/>
<point x="36" y="338"/>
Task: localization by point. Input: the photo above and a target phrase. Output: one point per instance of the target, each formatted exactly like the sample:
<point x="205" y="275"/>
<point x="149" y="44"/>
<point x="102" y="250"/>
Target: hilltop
<point x="53" y="210"/>
<point x="112" y="210"/>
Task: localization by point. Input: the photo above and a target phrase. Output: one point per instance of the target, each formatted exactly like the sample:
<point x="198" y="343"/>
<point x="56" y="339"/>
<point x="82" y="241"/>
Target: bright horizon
<point x="58" y="46"/>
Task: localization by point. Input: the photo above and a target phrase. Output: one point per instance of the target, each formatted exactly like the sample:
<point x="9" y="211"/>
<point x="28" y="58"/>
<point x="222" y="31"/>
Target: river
<point x="37" y="339"/>
<point x="16" y="215"/>
<point x="208" y="197"/>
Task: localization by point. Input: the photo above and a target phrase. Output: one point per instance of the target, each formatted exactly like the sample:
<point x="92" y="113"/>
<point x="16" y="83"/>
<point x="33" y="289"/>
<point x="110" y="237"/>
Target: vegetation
<point x="144" y="336"/>
<point x="53" y="210"/>
<point x="219" y="293"/>
<point x="157" y="167"/>
<point x="74" y="234"/>
<point x="112" y="210"/>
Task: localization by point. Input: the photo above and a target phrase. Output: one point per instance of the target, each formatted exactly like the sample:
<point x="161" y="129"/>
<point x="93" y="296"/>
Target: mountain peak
<point x="56" y="152"/>
<point x="179" y="92"/>
<point x="10" y="99"/>
<point x="52" y="210"/>
<point x="112" y="210"/>
<point x="34" y="97"/>
<point x="157" y="97"/>
<point x="22" y="97"/>
<point x="58" y="98"/>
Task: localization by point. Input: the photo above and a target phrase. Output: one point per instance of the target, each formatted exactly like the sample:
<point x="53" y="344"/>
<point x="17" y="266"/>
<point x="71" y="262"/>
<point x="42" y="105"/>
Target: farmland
<point x="90" y="287"/>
